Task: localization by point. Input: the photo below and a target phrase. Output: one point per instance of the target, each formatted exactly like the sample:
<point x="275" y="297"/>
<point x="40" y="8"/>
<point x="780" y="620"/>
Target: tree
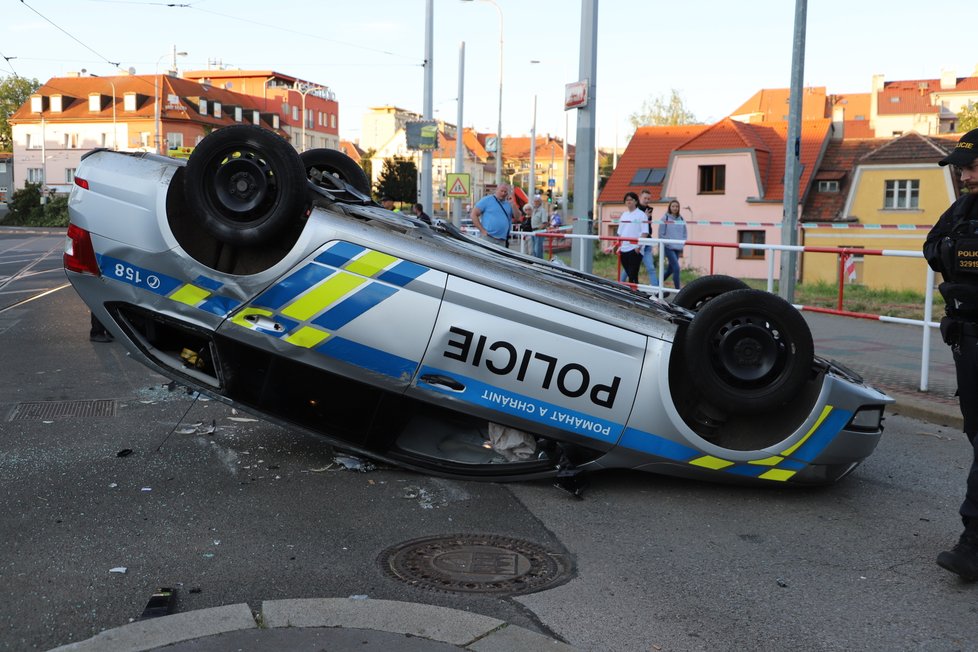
<point x="398" y="180"/>
<point x="662" y="111"/>
<point x="14" y="91"/>
<point x="968" y="118"/>
<point x="26" y="208"/>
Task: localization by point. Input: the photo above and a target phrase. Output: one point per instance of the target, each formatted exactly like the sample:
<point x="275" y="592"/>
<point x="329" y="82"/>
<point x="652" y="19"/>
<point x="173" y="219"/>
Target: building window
<point x="712" y="179"/>
<point x="27" y="141"/>
<point x="37" y="103"/>
<point x="71" y="141"/>
<point x="332" y="120"/>
<point x="256" y="117"/>
<point x="648" y="177"/>
<point x="174" y="140"/>
<point x="750" y="237"/>
<point x="295" y="114"/>
<point x="144" y="138"/>
<point x="217" y="109"/>
<point x="3" y="167"/>
<point x="57" y="104"/>
<point x="69" y="175"/>
<point x="828" y="186"/>
<point x="95" y="102"/>
<point x="202" y="107"/>
<point x="901" y="193"/>
<point x="35" y="175"/>
<point x="237" y="114"/>
<point x="129" y="102"/>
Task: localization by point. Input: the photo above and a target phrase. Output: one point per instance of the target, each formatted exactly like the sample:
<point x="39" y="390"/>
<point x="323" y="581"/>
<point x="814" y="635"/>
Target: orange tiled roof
<point x="771" y="105"/>
<point x="351" y="150"/>
<point x="837" y="164"/>
<point x="649" y="147"/>
<point x="75" y="92"/>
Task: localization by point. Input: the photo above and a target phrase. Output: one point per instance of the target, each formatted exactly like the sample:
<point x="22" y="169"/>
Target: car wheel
<point x="698" y="291"/>
<point x="246" y="183"/>
<point x="749" y="351"/>
<point x="330" y="161"/>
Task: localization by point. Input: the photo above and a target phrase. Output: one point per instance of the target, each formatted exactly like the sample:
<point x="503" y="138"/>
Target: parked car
<point x="272" y="282"/>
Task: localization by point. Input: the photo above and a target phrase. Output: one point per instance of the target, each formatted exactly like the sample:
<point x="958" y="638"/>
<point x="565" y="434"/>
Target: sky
<point x="716" y="54"/>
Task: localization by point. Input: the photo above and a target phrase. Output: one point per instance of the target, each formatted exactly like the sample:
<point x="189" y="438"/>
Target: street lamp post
<point x="302" y="91"/>
<point x="156" y="92"/>
<point x="499" y="127"/>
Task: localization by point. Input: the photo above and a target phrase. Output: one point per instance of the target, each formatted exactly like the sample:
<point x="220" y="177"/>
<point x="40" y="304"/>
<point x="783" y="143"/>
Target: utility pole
<point x="792" y="153"/>
<point x="426" y="155"/>
<point x="584" y="165"/>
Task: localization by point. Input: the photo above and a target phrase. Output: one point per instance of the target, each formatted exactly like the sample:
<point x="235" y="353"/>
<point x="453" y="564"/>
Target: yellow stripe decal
<point x="767" y="461"/>
<point x="711" y="462"/>
<point x="370" y="263"/>
<point x="825" y="412"/>
<point x="322" y="295"/>
<point x="190" y="294"/>
<point x="779" y="475"/>
<point x="307" y="337"/>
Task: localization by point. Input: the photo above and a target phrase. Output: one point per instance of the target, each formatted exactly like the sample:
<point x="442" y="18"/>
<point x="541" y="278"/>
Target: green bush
<point x="26" y="208"/>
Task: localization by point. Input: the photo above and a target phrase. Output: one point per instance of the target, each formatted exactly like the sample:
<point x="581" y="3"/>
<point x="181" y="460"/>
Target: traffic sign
<point x="551" y="182"/>
<point x="458" y="183"/>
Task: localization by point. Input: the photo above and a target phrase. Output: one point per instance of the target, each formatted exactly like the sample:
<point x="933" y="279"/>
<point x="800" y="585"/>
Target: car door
<point x="530" y="365"/>
<point x="348" y="309"/>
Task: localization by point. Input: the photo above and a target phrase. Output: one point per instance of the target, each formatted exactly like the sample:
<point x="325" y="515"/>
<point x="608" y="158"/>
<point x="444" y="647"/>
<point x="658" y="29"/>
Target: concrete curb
<point x="459" y="628"/>
<point x="932" y="409"/>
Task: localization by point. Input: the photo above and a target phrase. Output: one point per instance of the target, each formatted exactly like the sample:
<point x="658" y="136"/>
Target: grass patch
<point x="906" y="304"/>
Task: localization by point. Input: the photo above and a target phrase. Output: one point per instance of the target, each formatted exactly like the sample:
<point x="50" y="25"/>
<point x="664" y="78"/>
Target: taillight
<point x="81" y="183"/>
<point x="79" y="252"/>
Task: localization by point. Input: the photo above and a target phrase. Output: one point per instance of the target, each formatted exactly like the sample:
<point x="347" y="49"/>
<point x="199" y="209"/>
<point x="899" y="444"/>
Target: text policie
<point x="573" y="379"/>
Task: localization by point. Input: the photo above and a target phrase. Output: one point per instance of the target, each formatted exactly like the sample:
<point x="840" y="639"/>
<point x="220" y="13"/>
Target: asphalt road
<point x="227" y="509"/>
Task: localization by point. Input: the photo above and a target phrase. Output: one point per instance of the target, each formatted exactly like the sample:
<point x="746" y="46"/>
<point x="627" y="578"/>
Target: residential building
<point x="69" y="116"/>
<point x="475" y="162"/>
<point x="876" y="194"/>
<point x="728" y="178"/>
<point x="306" y="109"/>
<point x="889" y="109"/>
<point x="548" y="162"/>
<point x="380" y="123"/>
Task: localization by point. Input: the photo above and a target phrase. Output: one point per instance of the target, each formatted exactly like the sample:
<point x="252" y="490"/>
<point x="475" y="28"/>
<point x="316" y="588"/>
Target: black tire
<point x="330" y="161"/>
<point x="749" y="351"/>
<point x="697" y="292"/>
<point x="246" y="184"/>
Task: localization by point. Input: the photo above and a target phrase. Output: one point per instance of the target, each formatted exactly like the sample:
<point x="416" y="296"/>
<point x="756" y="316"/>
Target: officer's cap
<point x="965" y="152"/>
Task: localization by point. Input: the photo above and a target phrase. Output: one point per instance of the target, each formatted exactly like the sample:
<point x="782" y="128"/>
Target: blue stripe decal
<point x="207" y="283"/>
<point x="656" y="445"/>
<point x="402" y="273"/>
<point x="525" y="407"/>
<point x="750" y="471"/>
<point x="791" y="465"/>
<point x="219" y="305"/>
<point x="289" y="288"/>
<point x="826" y="432"/>
<point x="339" y="254"/>
<point x="353" y="306"/>
<point x="117" y="269"/>
<point x="368" y="358"/>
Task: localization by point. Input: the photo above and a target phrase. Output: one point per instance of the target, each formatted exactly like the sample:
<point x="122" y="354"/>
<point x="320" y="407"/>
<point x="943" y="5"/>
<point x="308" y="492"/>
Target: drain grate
<point x="38" y="410"/>
<point x="471" y="563"/>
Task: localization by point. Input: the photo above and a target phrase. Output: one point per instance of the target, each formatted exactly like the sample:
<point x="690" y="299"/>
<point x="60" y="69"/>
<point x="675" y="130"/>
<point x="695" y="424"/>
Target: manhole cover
<point x="472" y="563"/>
<point x="37" y="410"/>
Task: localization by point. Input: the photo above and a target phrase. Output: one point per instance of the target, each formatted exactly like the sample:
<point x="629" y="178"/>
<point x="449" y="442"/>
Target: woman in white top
<point x="631" y="224"/>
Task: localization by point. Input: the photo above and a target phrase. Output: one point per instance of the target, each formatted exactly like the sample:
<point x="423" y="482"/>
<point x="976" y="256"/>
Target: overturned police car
<point x="271" y="281"/>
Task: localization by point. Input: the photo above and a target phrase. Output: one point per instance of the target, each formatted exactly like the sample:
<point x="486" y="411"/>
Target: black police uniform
<point x="951" y="248"/>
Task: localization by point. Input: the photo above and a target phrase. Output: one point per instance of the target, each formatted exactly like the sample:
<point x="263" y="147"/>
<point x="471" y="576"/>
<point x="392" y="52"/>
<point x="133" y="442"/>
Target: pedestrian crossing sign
<point x="459" y="184"/>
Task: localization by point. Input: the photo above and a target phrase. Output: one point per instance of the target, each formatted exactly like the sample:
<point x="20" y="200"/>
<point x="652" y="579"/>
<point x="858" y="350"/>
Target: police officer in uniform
<point x="951" y="248"/>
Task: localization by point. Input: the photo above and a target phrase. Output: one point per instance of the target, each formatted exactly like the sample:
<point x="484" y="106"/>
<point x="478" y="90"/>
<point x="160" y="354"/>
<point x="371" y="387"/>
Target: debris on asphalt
<point x="243" y="419"/>
<point x="119" y="569"/>
<point x="782" y="583"/>
<point x="359" y="596"/>
<point x="160" y="604"/>
<point x="125" y="452"/>
<point x="146" y="489"/>
<point x="351" y="463"/>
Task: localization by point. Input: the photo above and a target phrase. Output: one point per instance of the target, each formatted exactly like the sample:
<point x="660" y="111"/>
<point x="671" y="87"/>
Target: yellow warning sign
<point x="459" y="184"/>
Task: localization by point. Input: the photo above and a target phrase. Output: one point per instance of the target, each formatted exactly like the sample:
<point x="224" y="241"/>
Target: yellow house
<point x="876" y="195"/>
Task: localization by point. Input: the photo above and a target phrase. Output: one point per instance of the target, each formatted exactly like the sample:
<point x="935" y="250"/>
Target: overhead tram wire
<point x="7" y="59"/>
<point x="115" y="64"/>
